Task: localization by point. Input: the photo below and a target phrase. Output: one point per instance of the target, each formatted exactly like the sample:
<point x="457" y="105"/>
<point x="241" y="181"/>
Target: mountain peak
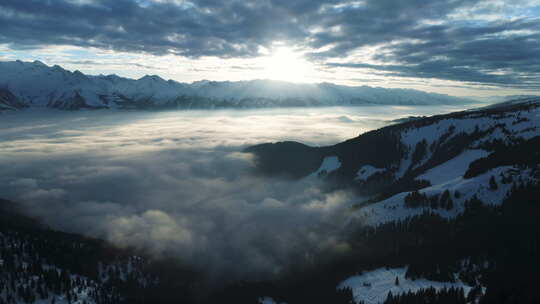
<point x="58" y="68"/>
<point x="151" y="78"/>
<point x="110" y="76"/>
<point x="39" y="63"/>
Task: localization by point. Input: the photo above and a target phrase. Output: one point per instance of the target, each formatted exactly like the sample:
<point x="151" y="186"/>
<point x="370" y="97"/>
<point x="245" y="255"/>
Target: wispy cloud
<point x="122" y="64"/>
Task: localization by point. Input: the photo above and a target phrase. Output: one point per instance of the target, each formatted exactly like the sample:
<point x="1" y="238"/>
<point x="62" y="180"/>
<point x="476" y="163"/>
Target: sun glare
<point x="287" y="65"/>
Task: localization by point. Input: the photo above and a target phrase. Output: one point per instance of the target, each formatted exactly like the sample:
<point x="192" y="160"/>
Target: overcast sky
<point x="459" y="47"/>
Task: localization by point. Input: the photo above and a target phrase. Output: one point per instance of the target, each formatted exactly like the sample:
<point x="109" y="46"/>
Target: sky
<point x="456" y="47"/>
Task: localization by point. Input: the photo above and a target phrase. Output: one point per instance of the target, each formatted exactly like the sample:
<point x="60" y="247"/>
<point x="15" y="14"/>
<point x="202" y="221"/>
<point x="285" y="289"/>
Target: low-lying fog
<point x="175" y="183"/>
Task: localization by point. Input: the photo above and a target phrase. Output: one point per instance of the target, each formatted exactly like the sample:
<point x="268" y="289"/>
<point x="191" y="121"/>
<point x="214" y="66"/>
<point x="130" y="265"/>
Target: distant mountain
<point x="498" y="99"/>
<point x="35" y="84"/>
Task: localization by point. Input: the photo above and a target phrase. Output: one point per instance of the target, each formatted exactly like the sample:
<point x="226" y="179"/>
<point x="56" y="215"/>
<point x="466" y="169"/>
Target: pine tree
<point x="450" y="205"/>
<point x="390" y="297"/>
<point x="397" y="281"/>
<point x="493" y="184"/>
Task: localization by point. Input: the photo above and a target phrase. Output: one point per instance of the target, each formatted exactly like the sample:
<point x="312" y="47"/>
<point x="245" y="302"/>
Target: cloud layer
<point x="474" y="41"/>
<point x="175" y="183"/>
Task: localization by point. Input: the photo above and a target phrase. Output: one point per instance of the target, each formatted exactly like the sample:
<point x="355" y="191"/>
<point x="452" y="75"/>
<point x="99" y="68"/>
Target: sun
<point x="285" y="64"/>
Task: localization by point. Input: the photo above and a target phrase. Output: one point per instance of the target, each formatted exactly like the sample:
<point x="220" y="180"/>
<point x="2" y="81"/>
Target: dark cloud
<point x="489" y="55"/>
<point x="426" y="39"/>
<point x="214" y="28"/>
<point x="468" y="55"/>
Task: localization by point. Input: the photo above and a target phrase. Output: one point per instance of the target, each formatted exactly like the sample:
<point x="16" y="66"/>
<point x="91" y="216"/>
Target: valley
<point x="395" y="197"/>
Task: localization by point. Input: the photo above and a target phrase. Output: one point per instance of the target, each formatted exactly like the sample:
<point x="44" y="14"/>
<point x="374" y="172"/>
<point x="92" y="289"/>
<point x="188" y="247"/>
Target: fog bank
<point x="176" y="183"/>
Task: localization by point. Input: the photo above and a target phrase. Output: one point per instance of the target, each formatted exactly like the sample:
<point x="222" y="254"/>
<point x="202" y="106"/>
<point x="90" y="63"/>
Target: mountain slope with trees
<point x="451" y="198"/>
<point x="41" y="265"/>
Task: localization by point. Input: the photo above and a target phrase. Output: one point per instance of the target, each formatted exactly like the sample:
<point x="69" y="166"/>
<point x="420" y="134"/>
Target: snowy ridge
<point x="38" y="85"/>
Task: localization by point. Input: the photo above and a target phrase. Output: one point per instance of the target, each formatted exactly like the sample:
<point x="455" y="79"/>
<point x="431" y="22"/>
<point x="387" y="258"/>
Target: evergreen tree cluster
<point x="38" y="264"/>
<point x="415" y="199"/>
<point x="429" y="296"/>
<point x="26" y="276"/>
<point x="523" y="155"/>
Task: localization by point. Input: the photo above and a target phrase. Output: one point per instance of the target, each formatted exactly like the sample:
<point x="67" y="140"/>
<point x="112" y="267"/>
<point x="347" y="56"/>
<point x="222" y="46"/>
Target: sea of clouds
<point x="177" y="183"/>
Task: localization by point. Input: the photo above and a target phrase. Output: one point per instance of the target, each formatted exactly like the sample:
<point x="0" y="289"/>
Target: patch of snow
<point x="268" y="300"/>
<point x="329" y="164"/>
<point x="453" y="168"/>
<point x="373" y="287"/>
<point x="82" y="294"/>
<point x="403" y="167"/>
<point x="366" y="171"/>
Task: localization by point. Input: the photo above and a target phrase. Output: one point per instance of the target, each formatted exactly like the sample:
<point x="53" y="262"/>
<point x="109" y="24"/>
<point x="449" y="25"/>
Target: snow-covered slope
<point x="374" y="286"/>
<point x="441" y="158"/>
<point x="329" y="164"/>
<point x="439" y="198"/>
<point x="437" y="164"/>
<point x="38" y="85"/>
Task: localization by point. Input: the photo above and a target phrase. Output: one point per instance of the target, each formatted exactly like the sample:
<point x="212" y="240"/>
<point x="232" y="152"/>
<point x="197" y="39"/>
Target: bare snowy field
<point x="175" y="182"/>
<point x="373" y="287"/>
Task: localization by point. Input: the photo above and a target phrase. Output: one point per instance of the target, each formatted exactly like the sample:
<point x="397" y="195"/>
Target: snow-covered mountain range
<point x="35" y="84"/>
